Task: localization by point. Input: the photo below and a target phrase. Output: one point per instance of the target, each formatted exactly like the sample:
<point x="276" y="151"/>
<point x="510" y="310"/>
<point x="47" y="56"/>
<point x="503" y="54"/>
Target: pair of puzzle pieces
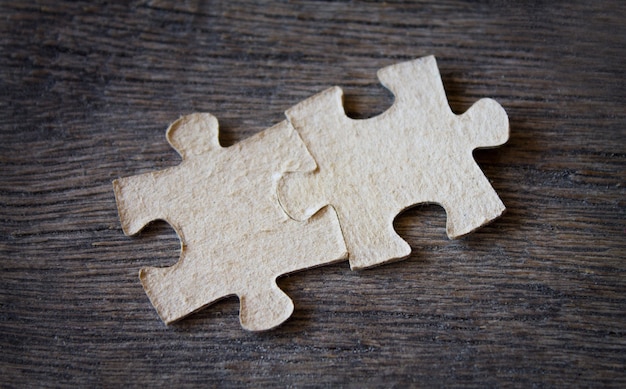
<point x="314" y="189"/>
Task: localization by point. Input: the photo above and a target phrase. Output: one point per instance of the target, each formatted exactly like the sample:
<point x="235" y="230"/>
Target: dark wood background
<point x="537" y="298"/>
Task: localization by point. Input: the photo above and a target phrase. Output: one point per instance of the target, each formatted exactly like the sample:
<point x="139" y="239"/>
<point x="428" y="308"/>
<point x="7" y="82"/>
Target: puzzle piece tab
<point x="235" y="238"/>
<point x="418" y="151"/>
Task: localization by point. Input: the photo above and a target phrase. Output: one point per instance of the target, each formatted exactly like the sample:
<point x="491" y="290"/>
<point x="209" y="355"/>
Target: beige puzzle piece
<point x="418" y="151"/>
<point x="235" y="237"/>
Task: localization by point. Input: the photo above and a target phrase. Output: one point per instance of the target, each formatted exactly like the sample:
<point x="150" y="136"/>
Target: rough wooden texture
<point x="536" y="298"/>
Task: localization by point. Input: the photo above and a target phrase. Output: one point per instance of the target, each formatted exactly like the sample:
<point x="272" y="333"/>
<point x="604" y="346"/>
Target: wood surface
<point x="537" y="298"/>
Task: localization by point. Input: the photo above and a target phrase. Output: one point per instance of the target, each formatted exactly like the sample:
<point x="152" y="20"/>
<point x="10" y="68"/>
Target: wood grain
<point x="537" y="298"/>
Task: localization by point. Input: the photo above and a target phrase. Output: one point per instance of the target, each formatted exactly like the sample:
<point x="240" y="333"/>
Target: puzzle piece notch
<point x="418" y="151"/>
<point x="235" y="238"/>
<point x="182" y="135"/>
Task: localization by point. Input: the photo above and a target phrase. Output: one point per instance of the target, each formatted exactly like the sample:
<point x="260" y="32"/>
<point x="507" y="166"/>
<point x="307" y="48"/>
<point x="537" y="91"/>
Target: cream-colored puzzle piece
<point x="235" y="238"/>
<point x="418" y="151"/>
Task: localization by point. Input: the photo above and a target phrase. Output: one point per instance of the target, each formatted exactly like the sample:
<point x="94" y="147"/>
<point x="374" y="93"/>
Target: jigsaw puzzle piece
<point x="235" y="237"/>
<point x="418" y="151"/>
<point x="366" y="219"/>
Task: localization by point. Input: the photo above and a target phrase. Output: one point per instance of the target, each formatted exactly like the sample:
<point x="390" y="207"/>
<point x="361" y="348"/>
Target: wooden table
<point x="537" y="298"/>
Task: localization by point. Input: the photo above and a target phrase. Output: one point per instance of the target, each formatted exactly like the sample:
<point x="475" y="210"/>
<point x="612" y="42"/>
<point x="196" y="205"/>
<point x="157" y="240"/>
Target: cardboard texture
<point x="341" y="183"/>
<point x="418" y="151"/>
<point x="235" y="238"/>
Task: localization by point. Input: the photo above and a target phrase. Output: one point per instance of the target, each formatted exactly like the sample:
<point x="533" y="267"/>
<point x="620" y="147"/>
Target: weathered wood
<point x="536" y="298"/>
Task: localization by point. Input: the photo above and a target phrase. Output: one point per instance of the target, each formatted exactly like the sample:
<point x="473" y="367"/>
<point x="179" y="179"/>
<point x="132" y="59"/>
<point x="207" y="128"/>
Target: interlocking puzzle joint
<point x="314" y="189"/>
